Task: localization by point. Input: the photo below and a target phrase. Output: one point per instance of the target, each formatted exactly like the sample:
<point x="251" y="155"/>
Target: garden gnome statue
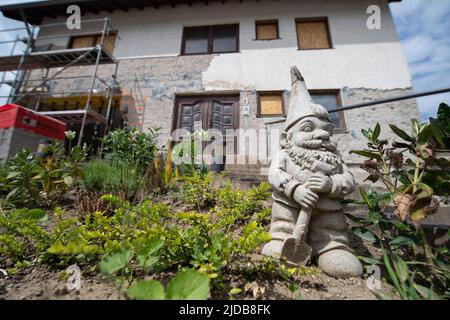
<point x="309" y="179"/>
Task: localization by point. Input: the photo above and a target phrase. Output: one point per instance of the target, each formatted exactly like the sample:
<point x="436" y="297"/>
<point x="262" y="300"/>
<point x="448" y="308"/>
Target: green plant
<point x="104" y="177"/>
<point x="21" y="236"/>
<point x="441" y="126"/>
<point x="410" y="186"/>
<point x="162" y="173"/>
<point x="128" y="241"/>
<point x="197" y="191"/>
<point x="184" y="154"/>
<point x="40" y="181"/>
<point x="186" y="285"/>
<point x="130" y="148"/>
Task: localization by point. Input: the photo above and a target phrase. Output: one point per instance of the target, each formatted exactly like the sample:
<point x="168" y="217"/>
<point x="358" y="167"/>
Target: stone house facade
<point x="225" y="64"/>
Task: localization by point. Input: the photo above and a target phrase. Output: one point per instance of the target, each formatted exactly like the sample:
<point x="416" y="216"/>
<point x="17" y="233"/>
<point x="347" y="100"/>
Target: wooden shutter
<point x="82" y="42"/>
<point x="313" y="34"/>
<point x="266" y="30"/>
<point x="109" y="42"/>
<point x="270" y="104"/>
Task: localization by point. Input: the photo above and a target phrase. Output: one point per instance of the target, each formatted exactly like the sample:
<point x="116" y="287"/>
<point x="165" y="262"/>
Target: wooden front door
<point x="207" y="112"/>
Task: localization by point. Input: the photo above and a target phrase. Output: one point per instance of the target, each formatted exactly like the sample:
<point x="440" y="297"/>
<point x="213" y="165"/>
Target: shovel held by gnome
<point x="295" y="250"/>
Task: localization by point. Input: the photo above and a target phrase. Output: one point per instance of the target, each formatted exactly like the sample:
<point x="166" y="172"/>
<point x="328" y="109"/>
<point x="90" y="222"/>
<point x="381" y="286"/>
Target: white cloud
<point x="423" y="27"/>
<point x="418" y="48"/>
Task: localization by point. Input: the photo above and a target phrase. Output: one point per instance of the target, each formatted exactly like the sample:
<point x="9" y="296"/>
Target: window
<point x="270" y="104"/>
<point x="267" y="30"/>
<point x="210" y="39"/>
<point x="331" y="100"/>
<point x="313" y="34"/>
<point x="92" y="40"/>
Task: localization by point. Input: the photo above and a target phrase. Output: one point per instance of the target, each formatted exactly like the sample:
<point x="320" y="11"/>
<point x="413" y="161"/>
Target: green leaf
<point x="415" y="127"/>
<point x="425" y="135"/>
<point x="367" y="154"/>
<point x="399" y="225"/>
<point x="115" y="261"/>
<point x="418" y="214"/>
<point x="365" y="133"/>
<point x="188" y="285"/>
<point x="368" y="260"/>
<point x="376" y="132"/>
<point x="402" y="268"/>
<point x="402" y="134"/>
<point x="365" y="197"/>
<point x="235" y="291"/>
<point x="392" y="274"/>
<point x="147" y="290"/>
<point x="150" y="246"/>
<point x="147" y="262"/>
<point x="365" y="234"/>
<point x="12" y="175"/>
<point x="402" y="241"/>
<point x="36" y="214"/>
<point x="426" y="293"/>
<point x="437" y="132"/>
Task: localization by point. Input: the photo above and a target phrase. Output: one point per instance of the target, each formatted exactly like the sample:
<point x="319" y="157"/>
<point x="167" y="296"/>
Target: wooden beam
<point x="56" y="11"/>
<point x="122" y="6"/>
<point x="91" y="8"/>
<point x="138" y="5"/>
<point x="48" y="12"/>
<point x="107" y="8"/>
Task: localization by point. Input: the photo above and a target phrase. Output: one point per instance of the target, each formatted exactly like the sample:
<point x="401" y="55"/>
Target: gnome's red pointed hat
<point x="301" y="104"/>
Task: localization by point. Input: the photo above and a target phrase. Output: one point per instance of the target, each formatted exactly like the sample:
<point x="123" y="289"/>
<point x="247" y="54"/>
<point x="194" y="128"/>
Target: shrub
<point x="135" y="240"/>
<point x="41" y="180"/>
<point x="129" y="147"/>
<point x="410" y="186"/>
<point x="197" y="191"/>
<point x="102" y="177"/>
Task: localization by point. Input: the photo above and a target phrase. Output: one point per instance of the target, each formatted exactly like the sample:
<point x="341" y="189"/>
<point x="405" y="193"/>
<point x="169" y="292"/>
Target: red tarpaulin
<point x="12" y="115"/>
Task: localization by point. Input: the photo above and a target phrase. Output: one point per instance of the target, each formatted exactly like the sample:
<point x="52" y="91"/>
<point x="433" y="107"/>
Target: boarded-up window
<point x="83" y="42"/>
<point x="267" y="30"/>
<point x="313" y="34"/>
<point x="109" y="42"/>
<point x="89" y="41"/>
<point x="270" y="104"/>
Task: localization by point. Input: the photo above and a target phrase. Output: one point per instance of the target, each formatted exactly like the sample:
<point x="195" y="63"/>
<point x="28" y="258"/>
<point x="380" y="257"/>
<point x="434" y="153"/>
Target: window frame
<point x="337" y="93"/>
<point x="267" y="22"/>
<point x="314" y="19"/>
<point x="210" y="29"/>
<point x="272" y="92"/>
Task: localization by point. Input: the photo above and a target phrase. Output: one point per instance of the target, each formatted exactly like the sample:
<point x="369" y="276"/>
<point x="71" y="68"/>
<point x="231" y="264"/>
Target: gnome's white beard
<point x="306" y="158"/>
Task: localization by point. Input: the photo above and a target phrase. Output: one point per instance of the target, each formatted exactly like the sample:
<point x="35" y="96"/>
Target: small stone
<point x="61" y="291"/>
<point x="340" y="263"/>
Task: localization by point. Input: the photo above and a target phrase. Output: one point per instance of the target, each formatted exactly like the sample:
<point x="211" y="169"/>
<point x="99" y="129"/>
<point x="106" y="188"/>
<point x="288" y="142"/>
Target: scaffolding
<point x="54" y="53"/>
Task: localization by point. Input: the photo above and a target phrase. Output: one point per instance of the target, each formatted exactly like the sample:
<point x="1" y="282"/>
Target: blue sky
<point x="424" y="30"/>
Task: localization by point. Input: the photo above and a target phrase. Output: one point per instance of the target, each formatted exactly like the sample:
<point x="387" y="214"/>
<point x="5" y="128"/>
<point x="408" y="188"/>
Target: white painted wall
<point x="360" y="57"/>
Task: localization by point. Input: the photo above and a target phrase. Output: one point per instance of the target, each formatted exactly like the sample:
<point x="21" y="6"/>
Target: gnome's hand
<point x="305" y="197"/>
<point x="320" y="183"/>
